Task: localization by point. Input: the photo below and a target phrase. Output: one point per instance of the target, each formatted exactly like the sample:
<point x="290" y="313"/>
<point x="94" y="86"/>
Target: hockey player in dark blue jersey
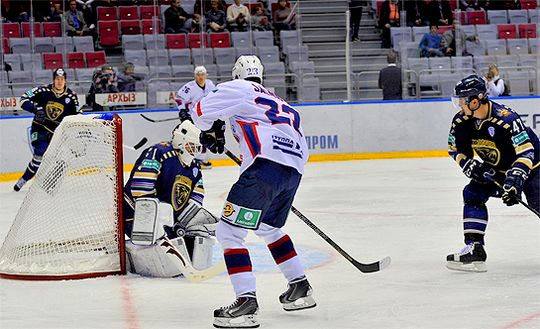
<point x="163" y="197"/>
<point x="510" y="154"/>
<point x="50" y="104"/>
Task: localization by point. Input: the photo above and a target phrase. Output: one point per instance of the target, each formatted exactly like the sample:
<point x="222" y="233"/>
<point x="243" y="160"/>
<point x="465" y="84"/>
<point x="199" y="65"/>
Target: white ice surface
<point x="407" y="209"/>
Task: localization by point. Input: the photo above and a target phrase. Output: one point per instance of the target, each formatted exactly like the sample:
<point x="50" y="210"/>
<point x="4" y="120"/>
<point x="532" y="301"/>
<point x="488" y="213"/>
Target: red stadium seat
<point x="130" y="27"/>
<point x="11" y="30"/>
<point x="107" y="14"/>
<point x="176" y="41"/>
<point x="95" y="59"/>
<point x="52" y="29"/>
<point x="529" y="4"/>
<point x="128" y="12"/>
<point x="52" y="61"/>
<point x="527" y="31"/>
<point x="147" y="12"/>
<point x="26" y="29"/>
<point x="444" y="28"/>
<point x="109" y="35"/>
<point x="148" y="26"/>
<point x="5" y="44"/>
<point x="220" y="40"/>
<point x="194" y="40"/>
<point x="507" y="31"/>
<point x="462" y="17"/>
<point x="76" y="60"/>
<point x="476" y="17"/>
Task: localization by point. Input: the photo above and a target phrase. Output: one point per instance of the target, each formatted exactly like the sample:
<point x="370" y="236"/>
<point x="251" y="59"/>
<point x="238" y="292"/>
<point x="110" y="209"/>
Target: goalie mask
<point x="248" y="66"/>
<point x="186" y="141"/>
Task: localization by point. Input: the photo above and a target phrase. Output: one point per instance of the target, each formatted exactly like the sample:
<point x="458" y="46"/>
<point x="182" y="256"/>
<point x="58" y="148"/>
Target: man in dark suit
<point x="390" y="78"/>
<point x="440" y="13"/>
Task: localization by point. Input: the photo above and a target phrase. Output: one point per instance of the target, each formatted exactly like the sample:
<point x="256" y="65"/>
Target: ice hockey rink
<point x="409" y="209"/>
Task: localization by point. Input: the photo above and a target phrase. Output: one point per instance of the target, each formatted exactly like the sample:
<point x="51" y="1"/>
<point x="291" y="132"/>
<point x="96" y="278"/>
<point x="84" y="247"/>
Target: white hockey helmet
<point x="200" y="70"/>
<point x="247" y="66"/>
<point x="185" y="139"/>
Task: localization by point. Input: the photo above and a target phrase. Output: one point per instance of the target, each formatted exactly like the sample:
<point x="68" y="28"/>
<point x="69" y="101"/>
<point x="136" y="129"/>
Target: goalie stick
<point x="364" y="268"/>
<point x="159" y="120"/>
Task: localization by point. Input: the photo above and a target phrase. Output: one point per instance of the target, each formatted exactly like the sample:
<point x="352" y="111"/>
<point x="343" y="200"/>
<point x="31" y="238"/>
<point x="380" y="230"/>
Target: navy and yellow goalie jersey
<point x="56" y="106"/>
<point x="158" y="173"/>
<point x="500" y="140"/>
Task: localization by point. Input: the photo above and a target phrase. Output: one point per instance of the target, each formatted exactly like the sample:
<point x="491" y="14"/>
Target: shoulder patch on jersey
<point x="503" y="112"/>
<point x="195" y="173"/>
<point x="151" y="164"/>
<point x="520" y="138"/>
<point x="451" y="139"/>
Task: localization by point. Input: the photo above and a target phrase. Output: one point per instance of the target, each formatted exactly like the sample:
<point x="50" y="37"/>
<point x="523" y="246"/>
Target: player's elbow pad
<point x="28" y="106"/>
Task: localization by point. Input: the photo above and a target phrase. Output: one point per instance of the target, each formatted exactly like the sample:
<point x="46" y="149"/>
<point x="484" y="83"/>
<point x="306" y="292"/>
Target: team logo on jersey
<point x="54" y="110"/>
<point x="491" y="131"/>
<point x="181" y="190"/>
<point x="228" y="210"/>
<point x="195" y="172"/>
<point x="487" y="150"/>
<point x="68" y="100"/>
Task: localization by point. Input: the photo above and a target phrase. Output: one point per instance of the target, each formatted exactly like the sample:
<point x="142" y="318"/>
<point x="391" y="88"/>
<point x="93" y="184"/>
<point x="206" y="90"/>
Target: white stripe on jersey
<point x="190" y="93"/>
<point x="263" y="124"/>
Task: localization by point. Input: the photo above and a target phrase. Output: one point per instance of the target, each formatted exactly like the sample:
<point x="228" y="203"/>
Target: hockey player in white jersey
<point x="188" y="95"/>
<point x="273" y="150"/>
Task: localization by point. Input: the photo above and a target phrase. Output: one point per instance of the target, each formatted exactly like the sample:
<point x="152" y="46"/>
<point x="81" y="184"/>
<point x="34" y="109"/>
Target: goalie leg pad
<point x="149" y="219"/>
<point x="151" y="261"/>
<point x="202" y="252"/>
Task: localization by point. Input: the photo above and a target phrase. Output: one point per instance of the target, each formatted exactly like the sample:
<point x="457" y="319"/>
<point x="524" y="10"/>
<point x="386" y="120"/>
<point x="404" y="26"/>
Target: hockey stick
<point x="364" y="268"/>
<point x="138" y="145"/>
<point x="517" y="198"/>
<point x="159" y="120"/>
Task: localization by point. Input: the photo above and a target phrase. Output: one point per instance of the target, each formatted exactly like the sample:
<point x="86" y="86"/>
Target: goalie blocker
<point x="163" y="247"/>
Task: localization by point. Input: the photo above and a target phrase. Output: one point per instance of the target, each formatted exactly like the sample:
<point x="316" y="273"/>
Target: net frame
<point x="108" y="244"/>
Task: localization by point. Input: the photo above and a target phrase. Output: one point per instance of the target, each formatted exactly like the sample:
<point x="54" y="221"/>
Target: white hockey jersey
<point x="190" y="93"/>
<point x="264" y="125"/>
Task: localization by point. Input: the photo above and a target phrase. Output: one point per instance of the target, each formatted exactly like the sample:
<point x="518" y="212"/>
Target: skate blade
<point x="469" y="267"/>
<point x="244" y="321"/>
<point x="300" y="304"/>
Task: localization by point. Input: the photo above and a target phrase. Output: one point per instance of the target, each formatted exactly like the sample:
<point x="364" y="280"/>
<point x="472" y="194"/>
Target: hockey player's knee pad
<point x="472" y="195"/>
<point x="229" y="236"/>
<point x="268" y="233"/>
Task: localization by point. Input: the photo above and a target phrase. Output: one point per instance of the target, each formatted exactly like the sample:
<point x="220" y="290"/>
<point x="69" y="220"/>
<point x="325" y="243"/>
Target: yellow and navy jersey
<point x="500" y="140"/>
<point x="158" y="173"/>
<point x="56" y="106"/>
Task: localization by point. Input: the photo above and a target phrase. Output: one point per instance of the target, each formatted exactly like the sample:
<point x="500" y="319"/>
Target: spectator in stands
<point x="471" y="5"/>
<point x="127" y="80"/>
<point x="430" y="45"/>
<point x="283" y="19"/>
<point x="390" y="78"/>
<point x="75" y="23"/>
<point x="259" y="21"/>
<point x="502" y="4"/>
<point x="175" y="18"/>
<point x="440" y="12"/>
<point x="216" y="20"/>
<point x="103" y="82"/>
<point x="196" y="24"/>
<point x="456" y="33"/>
<point x="494" y="84"/>
<point x="21" y="11"/>
<point x="390" y="11"/>
<point x="203" y="6"/>
<point x="238" y="17"/>
<point x="56" y="14"/>
<point x="356" y="8"/>
<point x="416" y="11"/>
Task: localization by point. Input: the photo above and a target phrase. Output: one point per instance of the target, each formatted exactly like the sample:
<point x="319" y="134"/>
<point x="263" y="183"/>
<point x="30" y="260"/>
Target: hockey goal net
<point x="69" y="225"/>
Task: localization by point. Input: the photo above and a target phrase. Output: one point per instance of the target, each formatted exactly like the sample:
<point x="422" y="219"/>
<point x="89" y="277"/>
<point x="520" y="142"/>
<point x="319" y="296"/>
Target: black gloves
<point x="214" y="138"/>
<point x="513" y="186"/>
<point x="39" y="114"/>
<point x="183" y="114"/>
<point x="479" y="171"/>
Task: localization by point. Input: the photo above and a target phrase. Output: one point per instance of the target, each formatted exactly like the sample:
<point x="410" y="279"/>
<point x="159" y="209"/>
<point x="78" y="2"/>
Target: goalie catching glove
<point x="214" y="138"/>
<point x="195" y="221"/>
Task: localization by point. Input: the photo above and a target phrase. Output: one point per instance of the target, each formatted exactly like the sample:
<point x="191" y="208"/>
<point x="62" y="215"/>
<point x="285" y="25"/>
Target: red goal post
<point x="70" y="223"/>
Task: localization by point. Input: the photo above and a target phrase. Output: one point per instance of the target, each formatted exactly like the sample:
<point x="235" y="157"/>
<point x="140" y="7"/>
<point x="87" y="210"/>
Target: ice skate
<point x="19" y="185"/>
<point x="240" y="314"/>
<point x="298" y="296"/>
<point x="472" y="258"/>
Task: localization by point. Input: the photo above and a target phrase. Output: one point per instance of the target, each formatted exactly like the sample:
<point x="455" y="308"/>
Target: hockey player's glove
<point x="183" y="114"/>
<point x="513" y="186"/>
<point x="214" y="139"/>
<point x="479" y="171"/>
<point x="39" y="114"/>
